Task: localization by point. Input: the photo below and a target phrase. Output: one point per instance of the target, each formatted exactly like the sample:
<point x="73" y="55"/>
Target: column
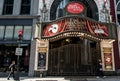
<point x="33" y="52"/>
<point x="35" y="7"/>
<point x="33" y="49"/>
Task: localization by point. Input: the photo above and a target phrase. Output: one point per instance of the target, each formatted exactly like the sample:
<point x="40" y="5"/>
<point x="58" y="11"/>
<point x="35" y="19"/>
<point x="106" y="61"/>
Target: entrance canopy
<point x="75" y="26"/>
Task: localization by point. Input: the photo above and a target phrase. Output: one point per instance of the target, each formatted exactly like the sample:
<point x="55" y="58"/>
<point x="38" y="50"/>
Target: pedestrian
<point x="99" y="69"/>
<point x="12" y="69"/>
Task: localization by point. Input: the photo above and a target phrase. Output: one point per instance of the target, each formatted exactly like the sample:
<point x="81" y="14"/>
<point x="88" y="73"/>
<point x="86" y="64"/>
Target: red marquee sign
<point x="74" y="8"/>
<point x="75" y="24"/>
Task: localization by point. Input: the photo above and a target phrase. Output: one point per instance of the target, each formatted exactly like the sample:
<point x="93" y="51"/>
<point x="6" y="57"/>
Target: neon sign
<point x="74" y="8"/>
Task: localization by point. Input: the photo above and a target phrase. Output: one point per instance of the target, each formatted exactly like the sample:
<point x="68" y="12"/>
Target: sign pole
<point x="19" y="45"/>
<point x="18" y="62"/>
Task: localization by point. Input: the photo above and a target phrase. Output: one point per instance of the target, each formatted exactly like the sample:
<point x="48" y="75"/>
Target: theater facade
<point x="70" y="38"/>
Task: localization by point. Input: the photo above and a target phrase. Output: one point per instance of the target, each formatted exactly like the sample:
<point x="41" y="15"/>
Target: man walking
<point x="12" y="69"/>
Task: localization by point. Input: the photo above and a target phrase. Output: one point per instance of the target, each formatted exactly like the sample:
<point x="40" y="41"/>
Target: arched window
<point x="118" y="13"/>
<point x="58" y="9"/>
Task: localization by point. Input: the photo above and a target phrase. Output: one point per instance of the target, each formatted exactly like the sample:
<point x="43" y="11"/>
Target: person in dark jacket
<point x="12" y="69"/>
<point x="100" y="70"/>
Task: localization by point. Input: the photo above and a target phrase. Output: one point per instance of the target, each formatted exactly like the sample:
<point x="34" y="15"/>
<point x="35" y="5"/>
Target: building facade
<point x="60" y="37"/>
<point x="14" y="16"/>
<point x="117" y="15"/>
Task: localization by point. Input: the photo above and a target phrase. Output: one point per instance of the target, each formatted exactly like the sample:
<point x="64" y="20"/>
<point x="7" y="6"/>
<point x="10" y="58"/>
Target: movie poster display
<point x="41" y="63"/>
<point x="108" y="60"/>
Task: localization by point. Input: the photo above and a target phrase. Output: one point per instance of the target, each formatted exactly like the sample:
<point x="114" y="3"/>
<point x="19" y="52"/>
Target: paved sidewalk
<point x="35" y="79"/>
<point x="93" y="78"/>
<point x="79" y="78"/>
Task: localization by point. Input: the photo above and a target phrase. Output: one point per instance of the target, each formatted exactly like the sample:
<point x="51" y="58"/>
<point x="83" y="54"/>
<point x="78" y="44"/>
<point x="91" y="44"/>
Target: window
<point x="118" y="17"/>
<point x="27" y="33"/>
<point x="9" y="32"/>
<point x="8" y="7"/>
<point x="60" y="9"/>
<point x="2" y="32"/>
<point x="25" y="7"/>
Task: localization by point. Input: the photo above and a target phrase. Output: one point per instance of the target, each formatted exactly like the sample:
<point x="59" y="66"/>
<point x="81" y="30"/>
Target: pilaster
<point x="32" y="57"/>
<point x="16" y="7"/>
<point x="1" y="6"/>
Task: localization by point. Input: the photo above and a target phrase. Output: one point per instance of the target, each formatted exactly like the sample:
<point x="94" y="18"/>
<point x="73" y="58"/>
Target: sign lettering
<point x="76" y="24"/>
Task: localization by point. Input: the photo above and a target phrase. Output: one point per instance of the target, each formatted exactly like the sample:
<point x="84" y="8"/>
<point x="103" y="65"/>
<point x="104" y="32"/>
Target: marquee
<point x="78" y="24"/>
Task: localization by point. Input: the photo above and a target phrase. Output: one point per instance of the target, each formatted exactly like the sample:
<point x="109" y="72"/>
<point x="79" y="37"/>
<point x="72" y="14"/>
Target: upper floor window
<point x="118" y="13"/>
<point x="8" y="7"/>
<point x="25" y="7"/>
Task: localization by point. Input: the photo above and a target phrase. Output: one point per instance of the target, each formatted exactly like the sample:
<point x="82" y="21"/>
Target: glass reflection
<point x="2" y="31"/>
<point x="27" y="33"/>
<point x="9" y="32"/>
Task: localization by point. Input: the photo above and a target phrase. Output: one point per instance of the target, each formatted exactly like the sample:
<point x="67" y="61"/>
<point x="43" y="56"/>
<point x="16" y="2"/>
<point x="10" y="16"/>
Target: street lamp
<point x="18" y="53"/>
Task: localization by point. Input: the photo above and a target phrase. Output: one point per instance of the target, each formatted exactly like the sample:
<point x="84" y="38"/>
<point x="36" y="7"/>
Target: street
<point x="72" y="78"/>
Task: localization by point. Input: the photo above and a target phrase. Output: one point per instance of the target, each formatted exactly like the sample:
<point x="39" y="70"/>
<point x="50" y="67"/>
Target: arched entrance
<point x="73" y="56"/>
<point x="58" y="9"/>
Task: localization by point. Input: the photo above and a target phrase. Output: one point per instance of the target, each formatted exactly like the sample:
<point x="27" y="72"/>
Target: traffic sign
<point x="19" y="51"/>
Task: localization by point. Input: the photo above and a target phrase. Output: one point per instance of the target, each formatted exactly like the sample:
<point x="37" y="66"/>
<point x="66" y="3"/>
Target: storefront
<point x="9" y="42"/>
<point x="72" y="46"/>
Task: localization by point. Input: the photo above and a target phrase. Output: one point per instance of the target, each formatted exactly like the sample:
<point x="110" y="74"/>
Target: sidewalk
<point x="78" y="78"/>
<point x="36" y="79"/>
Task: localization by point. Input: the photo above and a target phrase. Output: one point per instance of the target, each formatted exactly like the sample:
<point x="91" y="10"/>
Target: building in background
<point x="117" y="15"/>
<point x="60" y="37"/>
<point x="16" y="15"/>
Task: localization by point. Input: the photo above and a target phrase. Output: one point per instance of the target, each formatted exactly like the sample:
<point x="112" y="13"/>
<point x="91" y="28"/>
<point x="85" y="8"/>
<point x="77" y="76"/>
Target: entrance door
<point x="70" y="59"/>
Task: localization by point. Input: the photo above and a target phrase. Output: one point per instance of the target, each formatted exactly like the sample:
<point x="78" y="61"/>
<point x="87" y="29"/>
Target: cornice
<point x="19" y="16"/>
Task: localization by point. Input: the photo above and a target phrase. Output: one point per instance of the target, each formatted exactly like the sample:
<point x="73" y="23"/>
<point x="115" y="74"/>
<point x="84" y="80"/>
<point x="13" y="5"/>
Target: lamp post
<point x="18" y="53"/>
